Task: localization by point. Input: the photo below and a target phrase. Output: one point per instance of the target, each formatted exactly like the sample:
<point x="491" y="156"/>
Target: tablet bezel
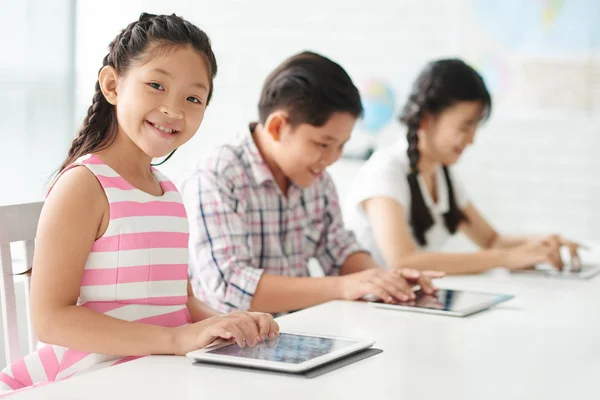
<point x="496" y="299"/>
<point x="203" y="355"/>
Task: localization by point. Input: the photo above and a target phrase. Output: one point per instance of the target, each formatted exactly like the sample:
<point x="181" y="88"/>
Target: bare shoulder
<point x="386" y="208"/>
<point x="76" y="200"/>
<point x="69" y="224"/>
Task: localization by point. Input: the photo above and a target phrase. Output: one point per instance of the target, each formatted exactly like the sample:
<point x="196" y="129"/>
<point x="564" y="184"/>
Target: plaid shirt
<point x="241" y="226"/>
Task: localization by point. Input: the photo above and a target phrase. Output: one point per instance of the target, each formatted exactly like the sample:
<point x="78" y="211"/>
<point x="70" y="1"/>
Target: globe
<point x="379" y="104"/>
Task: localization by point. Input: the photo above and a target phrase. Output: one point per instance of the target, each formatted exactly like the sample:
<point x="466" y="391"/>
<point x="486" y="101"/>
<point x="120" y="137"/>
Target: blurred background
<point x="534" y="166"/>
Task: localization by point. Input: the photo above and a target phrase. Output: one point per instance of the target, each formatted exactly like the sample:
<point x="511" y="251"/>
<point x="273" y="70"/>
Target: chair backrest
<point x="18" y="223"/>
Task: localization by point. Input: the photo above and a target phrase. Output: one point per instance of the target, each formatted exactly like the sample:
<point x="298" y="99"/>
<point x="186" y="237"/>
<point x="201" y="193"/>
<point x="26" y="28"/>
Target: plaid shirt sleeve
<point x="221" y="260"/>
<point x="337" y="243"/>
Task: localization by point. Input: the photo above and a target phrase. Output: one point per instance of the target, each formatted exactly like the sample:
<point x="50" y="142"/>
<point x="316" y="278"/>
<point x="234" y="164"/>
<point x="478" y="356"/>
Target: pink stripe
<point x="159" y="301"/>
<point x="49" y="361"/>
<point x="171" y="320"/>
<point x="168" y="186"/>
<point x="115" y="182"/>
<point x="126" y="359"/>
<point x="67" y="377"/>
<point x="143" y="240"/>
<point x="11" y="382"/>
<point x="157" y="272"/>
<point x="93" y="160"/>
<point x="142" y="273"/>
<point x="21" y="373"/>
<point x="104" y="276"/>
<point x="25" y="389"/>
<point x="120" y="183"/>
<point x="102" y="306"/>
<point x="122" y="209"/>
<point x="72" y="357"/>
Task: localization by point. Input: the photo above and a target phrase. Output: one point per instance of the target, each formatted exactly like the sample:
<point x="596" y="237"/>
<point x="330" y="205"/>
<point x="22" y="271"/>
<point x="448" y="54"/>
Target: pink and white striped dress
<point x="137" y="271"/>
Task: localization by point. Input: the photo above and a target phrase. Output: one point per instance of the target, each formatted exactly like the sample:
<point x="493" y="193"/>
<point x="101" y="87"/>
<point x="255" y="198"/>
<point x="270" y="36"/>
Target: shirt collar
<point x="260" y="170"/>
<point x="443" y="204"/>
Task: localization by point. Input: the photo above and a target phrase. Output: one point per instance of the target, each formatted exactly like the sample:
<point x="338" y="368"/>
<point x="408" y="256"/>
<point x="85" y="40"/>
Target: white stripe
<point x="82" y="158"/>
<point x="102" y="169"/>
<point x="110" y="259"/>
<point x="97" y="293"/>
<point x="59" y="351"/>
<point x="132" y="258"/>
<point x="4" y="388"/>
<point x="133" y="312"/>
<point x="8" y="371"/>
<point x="134" y="290"/>
<point x="167" y="288"/>
<point x="147" y="224"/>
<point x="162" y="256"/>
<point x="105" y="170"/>
<point x="86" y="364"/>
<point x="35" y="368"/>
<point x="116" y="194"/>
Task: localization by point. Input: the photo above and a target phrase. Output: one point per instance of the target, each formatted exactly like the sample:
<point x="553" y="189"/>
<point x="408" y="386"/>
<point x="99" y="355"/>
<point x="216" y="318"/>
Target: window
<point x="36" y="94"/>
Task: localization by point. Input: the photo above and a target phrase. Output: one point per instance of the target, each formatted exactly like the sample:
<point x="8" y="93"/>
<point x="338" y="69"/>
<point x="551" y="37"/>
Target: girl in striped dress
<point x="109" y="278"/>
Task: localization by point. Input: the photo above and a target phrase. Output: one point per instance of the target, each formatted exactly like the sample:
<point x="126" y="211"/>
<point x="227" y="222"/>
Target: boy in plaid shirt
<point x="262" y="205"/>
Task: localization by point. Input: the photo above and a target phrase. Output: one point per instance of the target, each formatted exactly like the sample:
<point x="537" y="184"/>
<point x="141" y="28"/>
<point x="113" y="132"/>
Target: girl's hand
<point x="544" y="250"/>
<point x="557" y="243"/>
<point x="244" y="327"/>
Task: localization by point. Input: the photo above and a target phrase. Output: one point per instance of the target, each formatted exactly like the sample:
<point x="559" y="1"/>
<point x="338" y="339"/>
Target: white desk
<point x="544" y="344"/>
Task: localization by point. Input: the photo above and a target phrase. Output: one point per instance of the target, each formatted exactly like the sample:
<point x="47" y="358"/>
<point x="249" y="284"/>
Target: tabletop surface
<point x="543" y="344"/>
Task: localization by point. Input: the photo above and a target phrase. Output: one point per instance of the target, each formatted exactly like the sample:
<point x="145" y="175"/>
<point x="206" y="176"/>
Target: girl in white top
<point x="405" y="203"/>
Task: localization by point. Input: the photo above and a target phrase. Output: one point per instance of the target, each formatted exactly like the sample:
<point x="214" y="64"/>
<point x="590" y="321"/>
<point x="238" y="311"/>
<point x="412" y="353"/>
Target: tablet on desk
<point x="290" y="352"/>
<point x="456" y="303"/>
<point x="586" y="271"/>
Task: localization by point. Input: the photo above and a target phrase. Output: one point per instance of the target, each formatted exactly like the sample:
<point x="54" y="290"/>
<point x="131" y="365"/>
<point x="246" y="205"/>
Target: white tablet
<point x="586" y="271"/>
<point x="290" y="352"/>
<point x="456" y="303"/>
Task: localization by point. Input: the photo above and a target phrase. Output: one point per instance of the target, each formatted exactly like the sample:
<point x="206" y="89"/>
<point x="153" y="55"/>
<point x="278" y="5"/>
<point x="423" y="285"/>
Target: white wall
<point x="250" y="38"/>
<point x="534" y="172"/>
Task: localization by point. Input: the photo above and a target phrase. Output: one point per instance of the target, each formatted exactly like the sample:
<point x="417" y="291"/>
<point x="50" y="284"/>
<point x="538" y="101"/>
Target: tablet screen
<point x="451" y="300"/>
<point x="287" y="348"/>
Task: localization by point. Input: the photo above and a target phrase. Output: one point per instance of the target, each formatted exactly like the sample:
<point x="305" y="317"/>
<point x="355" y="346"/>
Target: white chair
<point x="18" y="223"/>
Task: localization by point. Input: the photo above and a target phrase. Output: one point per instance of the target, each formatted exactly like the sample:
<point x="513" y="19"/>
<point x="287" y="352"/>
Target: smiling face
<point x="302" y="153"/>
<point x="161" y="101"/>
<point x="445" y="136"/>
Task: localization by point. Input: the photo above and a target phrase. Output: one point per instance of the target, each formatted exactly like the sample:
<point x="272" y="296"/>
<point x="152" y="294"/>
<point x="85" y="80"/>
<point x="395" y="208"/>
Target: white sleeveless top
<point x="385" y="175"/>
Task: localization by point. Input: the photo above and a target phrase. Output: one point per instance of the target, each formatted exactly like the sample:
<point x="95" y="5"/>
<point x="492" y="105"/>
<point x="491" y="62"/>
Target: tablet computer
<point x="290" y="352"/>
<point x="456" y="303"/>
<point x="586" y="271"/>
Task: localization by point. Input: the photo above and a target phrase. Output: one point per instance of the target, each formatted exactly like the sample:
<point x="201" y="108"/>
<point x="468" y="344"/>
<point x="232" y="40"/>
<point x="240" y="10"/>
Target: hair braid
<point x="98" y="129"/>
<point x="440" y="85"/>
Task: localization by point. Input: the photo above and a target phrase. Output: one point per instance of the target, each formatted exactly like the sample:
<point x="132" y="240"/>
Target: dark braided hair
<point x="98" y="130"/>
<point x="440" y="85"/>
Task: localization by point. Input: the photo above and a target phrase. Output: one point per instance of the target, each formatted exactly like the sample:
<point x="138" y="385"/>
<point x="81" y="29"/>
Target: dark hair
<point x="310" y="88"/>
<point x="440" y="85"/>
<point x="128" y="47"/>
